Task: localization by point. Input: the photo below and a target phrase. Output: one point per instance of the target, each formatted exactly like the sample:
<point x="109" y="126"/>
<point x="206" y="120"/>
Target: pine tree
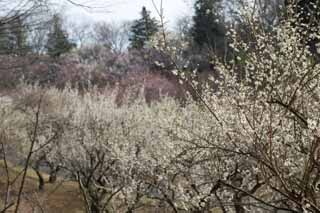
<point x="143" y="29"/>
<point x="13" y="36"/>
<point x="208" y="24"/>
<point x="4" y="39"/>
<point x="58" y="42"/>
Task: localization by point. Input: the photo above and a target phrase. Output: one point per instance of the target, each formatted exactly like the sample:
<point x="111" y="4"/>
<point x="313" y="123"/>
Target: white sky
<point x="126" y="10"/>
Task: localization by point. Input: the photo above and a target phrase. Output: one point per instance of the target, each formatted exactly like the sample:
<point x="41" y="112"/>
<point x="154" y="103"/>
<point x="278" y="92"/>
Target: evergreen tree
<point x="4" y="39"/>
<point x="208" y="25"/>
<point x="58" y="42"/>
<point x="13" y="36"/>
<point x="143" y="29"/>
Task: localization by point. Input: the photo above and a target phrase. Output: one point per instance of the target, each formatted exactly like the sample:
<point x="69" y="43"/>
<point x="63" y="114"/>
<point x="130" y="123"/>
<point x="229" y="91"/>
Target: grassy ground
<point x="61" y="197"/>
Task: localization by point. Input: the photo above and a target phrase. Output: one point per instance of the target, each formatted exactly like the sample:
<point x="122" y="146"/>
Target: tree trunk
<point x="95" y="208"/>
<point x="53" y="174"/>
<point x="41" y="180"/>
<point x="238" y="204"/>
<point x="36" y="168"/>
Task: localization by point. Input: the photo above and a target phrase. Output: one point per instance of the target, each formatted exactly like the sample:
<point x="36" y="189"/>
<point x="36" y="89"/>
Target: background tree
<point x="58" y="42"/>
<point x="143" y="29"/>
<point x="183" y="27"/>
<point x="112" y="36"/>
<point x="209" y="25"/>
<point x="80" y="33"/>
<point x="13" y="36"/>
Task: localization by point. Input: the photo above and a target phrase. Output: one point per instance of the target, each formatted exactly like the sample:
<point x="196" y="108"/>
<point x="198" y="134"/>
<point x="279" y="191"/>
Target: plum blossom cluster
<point x="252" y="145"/>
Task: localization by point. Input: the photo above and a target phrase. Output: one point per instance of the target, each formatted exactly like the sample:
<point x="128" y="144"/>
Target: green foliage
<point x="58" y="42"/>
<point x="13" y="36"/>
<point x="208" y="27"/>
<point x="143" y="29"/>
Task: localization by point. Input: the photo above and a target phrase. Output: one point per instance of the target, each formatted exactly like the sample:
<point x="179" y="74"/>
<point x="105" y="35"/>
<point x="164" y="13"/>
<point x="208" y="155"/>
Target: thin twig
<point x="33" y="141"/>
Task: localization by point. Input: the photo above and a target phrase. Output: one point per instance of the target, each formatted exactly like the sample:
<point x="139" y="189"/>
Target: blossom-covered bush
<point x="250" y="145"/>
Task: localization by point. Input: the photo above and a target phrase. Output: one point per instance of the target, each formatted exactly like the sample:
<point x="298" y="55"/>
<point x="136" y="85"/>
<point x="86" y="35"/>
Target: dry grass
<point x="61" y="197"/>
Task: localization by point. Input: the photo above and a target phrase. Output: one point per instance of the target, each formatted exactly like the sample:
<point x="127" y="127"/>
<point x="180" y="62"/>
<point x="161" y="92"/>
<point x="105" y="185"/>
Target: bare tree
<point x="113" y="36"/>
<point x="81" y="34"/>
